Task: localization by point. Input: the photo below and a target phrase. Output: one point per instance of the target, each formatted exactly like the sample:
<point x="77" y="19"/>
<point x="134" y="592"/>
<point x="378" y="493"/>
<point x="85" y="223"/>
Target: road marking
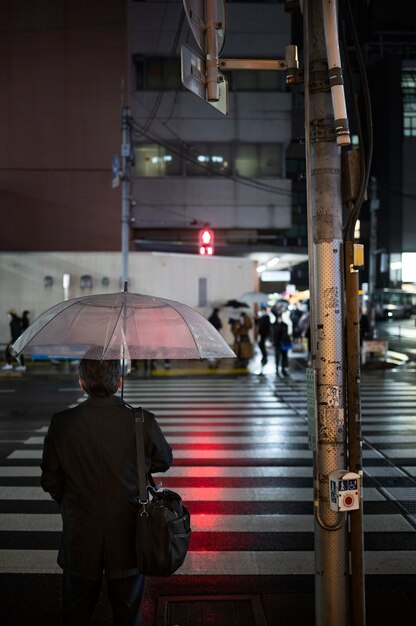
<point x="207" y="494"/>
<point x="12" y="471"/>
<point x="227" y="563"/>
<point x="192" y="439"/>
<point x="28" y="522"/>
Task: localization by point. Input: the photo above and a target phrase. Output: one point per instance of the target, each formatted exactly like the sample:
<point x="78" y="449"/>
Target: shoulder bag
<point x="163" y="530"/>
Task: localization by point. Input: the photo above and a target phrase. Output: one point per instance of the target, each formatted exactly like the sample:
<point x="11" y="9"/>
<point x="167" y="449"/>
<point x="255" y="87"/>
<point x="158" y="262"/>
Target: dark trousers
<point x="79" y="597"/>
<point x="263" y="350"/>
<point x="281" y="356"/>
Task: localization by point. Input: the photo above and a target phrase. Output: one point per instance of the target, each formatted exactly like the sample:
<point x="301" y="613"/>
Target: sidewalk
<point x="298" y="361"/>
<point x="223" y="367"/>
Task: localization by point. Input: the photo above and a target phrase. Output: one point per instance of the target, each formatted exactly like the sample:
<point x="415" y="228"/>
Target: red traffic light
<point x="206" y="242"/>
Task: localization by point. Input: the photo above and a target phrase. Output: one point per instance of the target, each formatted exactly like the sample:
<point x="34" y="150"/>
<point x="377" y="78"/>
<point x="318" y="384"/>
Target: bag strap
<point x="141" y="469"/>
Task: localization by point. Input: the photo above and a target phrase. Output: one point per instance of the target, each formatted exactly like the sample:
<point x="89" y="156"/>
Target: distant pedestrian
<point x="282" y="344"/>
<point x="25" y="323"/>
<point x="215" y="319"/>
<point x="15" y="332"/>
<point x="263" y="332"/>
<point x="25" y="320"/>
<point x="242" y="346"/>
<point x="295" y="316"/>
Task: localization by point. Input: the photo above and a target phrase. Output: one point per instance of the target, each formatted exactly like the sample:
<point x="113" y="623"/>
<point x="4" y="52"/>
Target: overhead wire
<point x="187" y="154"/>
<point x="368" y="148"/>
<point x="143" y="131"/>
<point x="172" y="57"/>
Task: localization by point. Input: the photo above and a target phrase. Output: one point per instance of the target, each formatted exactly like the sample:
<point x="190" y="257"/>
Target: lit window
<point x="208" y="159"/>
<point x="155" y="160"/>
<point x="409" y="102"/>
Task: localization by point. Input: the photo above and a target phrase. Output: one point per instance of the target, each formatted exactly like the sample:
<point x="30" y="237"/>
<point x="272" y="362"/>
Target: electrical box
<point x="358" y="255"/>
<point x="344" y="490"/>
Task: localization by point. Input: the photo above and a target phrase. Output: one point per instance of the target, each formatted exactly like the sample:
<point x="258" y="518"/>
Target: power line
<point x="187" y="154"/>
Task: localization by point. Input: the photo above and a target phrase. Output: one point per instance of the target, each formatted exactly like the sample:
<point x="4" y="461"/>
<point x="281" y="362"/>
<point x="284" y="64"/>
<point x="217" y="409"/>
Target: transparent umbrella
<point x="122" y="325"/>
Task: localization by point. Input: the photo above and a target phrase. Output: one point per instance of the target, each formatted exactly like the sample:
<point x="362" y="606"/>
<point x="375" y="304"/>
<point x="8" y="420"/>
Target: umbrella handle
<point x="122" y="377"/>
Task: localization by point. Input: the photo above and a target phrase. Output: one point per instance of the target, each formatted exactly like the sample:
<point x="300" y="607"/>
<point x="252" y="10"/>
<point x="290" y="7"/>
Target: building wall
<point x="172" y="276"/>
<point x="387" y="161"/>
<point x="62" y="67"/>
<point x="252" y="31"/>
<point x="409" y="199"/>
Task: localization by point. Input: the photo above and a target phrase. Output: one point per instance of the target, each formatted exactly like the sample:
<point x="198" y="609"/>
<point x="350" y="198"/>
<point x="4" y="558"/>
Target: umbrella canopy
<point x="236" y="304"/>
<point x="255" y="297"/>
<point x="122" y="325"/>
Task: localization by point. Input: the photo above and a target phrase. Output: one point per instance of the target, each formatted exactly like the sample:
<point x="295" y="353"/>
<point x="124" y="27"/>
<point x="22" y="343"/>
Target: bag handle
<point x="141" y="469"/>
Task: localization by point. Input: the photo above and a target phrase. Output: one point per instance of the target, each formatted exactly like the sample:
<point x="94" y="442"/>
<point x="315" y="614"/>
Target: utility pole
<point x="125" y="193"/>
<point x="325" y="132"/>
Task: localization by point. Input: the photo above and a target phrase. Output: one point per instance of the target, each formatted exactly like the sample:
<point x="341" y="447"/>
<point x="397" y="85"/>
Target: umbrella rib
<point x="75" y="301"/>
<point x="115" y="327"/>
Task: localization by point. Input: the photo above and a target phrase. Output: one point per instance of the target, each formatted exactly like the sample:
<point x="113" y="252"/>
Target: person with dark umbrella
<point x="89" y="467"/>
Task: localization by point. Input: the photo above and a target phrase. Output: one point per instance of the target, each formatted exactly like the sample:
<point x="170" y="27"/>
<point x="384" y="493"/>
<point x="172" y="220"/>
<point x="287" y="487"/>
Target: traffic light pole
<point x="354" y="430"/>
<point x="327" y="307"/>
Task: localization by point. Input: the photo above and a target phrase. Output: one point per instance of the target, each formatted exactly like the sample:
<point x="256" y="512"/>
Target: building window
<point x="256" y="80"/>
<point x="157" y="73"/>
<point x="258" y="160"/>
<point x="409" y="102"/>
<point x="155" y="160"/>
<point x="208" y="159"/>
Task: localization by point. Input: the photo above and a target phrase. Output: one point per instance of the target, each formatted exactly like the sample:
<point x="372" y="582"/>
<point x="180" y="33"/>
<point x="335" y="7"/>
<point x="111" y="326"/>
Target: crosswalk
<point x="243" y="466"/>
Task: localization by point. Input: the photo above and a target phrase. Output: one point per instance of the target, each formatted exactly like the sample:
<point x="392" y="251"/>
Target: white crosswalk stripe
<point x="241" y="463"/>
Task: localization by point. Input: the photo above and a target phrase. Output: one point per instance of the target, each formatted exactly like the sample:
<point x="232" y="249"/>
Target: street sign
<point x="193" y="75"/>
<point x="196" y="16"/>
<point x="115" y="166"/>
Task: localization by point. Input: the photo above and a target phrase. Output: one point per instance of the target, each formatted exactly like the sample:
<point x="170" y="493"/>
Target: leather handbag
<point x="163" y="525"/>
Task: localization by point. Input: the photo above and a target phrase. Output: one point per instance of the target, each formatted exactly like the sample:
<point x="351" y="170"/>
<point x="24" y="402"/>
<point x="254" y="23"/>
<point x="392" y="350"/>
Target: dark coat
<point x="264" y="326"/>
<point x="280" y="334"/>
<point x="242" y="345"/>
<point x="89" y="467"/>
<point x="15" y="327"/>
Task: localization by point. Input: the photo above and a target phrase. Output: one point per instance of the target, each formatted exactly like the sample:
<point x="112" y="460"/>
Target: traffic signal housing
<point x="206" y="242"/>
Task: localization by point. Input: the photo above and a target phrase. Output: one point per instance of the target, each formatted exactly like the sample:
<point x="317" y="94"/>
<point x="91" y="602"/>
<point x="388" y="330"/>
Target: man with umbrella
<point x="89" y="463"/>
<point x="89" y="466"/>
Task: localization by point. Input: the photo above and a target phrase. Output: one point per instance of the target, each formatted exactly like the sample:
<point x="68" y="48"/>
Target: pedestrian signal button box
<point x="344" y="490"/>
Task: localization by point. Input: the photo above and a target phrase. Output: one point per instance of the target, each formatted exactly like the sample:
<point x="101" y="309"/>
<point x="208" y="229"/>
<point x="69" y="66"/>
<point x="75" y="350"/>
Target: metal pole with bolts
<point x="327" y="303"/>
<point x="353" y="259"/>
<point x="125" y="194"/>
<point x="211" y="50"/>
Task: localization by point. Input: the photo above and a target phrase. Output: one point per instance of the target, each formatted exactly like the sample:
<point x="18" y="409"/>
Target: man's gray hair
<point x="100" y="378"/>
